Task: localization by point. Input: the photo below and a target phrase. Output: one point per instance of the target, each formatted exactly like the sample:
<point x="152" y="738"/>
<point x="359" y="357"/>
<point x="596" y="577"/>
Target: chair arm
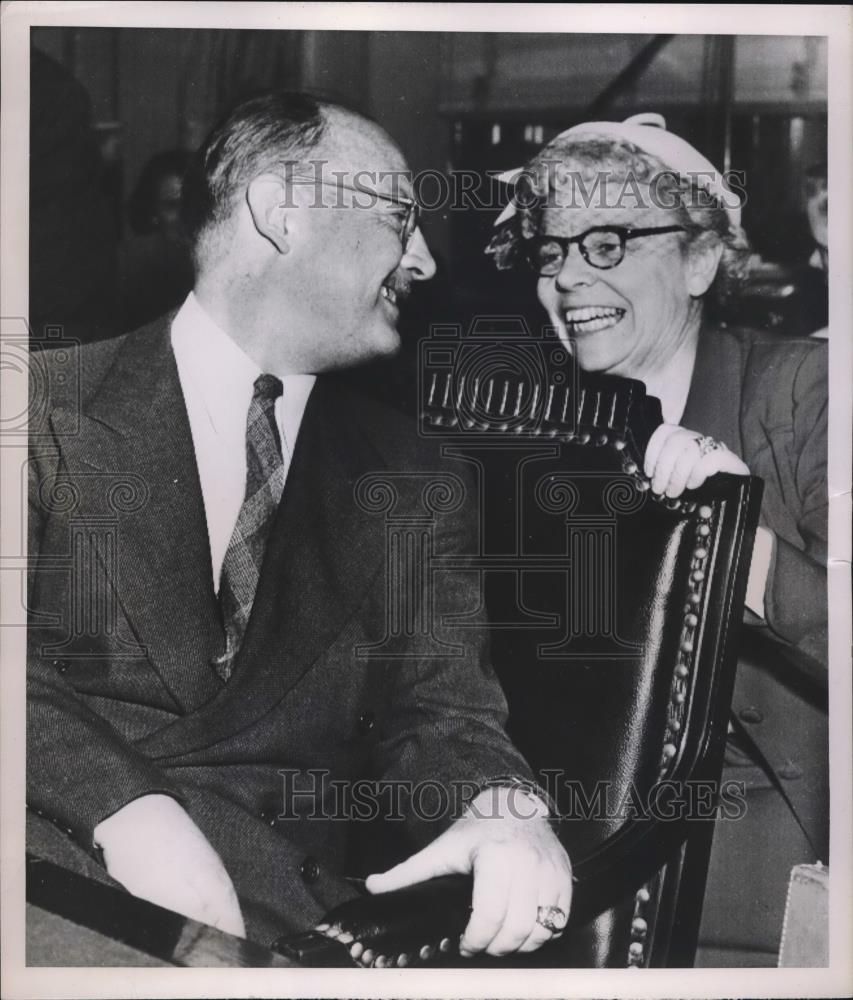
<point x="409" y="926"/>
<point x="126" y="925"/>
<point x="423" y="922"/>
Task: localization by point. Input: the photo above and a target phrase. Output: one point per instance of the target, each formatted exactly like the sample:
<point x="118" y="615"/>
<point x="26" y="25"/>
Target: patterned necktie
<point x="241" y="567"/>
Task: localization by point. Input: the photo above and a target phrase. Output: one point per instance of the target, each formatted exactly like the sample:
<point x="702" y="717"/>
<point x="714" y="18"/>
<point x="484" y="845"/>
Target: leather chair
<point x="615" y="640"/>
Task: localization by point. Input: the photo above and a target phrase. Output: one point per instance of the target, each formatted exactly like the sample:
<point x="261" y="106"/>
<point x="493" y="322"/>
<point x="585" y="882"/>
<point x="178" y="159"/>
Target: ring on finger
<point x="707" y="445"/>
<point x="552" y="918"/>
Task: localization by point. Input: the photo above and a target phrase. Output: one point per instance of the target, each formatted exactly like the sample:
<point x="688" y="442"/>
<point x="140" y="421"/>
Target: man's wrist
<point x="513" y="798"/>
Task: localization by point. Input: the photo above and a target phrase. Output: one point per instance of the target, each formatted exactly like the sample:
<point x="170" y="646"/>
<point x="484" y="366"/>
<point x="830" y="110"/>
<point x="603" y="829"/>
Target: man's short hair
<point x="266" y="132"/>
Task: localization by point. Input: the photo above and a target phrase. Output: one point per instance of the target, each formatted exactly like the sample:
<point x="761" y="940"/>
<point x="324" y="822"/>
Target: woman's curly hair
<point x="581" y="161"/>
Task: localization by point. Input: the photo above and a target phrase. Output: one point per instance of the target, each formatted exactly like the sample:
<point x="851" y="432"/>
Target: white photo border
<point x="20" y="982"/>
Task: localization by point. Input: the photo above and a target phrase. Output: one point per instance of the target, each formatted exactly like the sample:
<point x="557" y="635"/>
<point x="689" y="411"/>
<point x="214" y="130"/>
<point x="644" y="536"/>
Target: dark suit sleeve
<point x="443" y="736"/>
<point x="79" y="768"/>
<point x="795" y="599"/>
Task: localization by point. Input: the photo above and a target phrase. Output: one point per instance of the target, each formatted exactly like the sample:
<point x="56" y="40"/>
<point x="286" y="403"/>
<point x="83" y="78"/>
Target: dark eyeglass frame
<point x="623" y="233"/>
<point x="411" y="220"/>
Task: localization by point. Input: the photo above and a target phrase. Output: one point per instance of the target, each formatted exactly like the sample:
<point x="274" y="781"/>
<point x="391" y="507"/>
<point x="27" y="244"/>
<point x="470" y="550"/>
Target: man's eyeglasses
<point x="602" y="247"/>
<point x="411" y="219"/>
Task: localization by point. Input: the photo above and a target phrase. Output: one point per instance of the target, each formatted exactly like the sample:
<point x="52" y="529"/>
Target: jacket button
<point x="750" y="715"/>
<point x="790" y="771"/>
<point x="60" y="665"/>
<point x="310" y="870"/>
<point x="366" y="722"/>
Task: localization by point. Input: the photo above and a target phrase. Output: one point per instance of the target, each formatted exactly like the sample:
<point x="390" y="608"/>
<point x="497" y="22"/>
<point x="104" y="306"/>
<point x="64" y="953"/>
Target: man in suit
<point x="198" y="691"/>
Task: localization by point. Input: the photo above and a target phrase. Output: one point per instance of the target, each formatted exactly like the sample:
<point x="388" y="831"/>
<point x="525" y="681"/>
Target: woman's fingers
<point x="719" y="460"/>
<point x="656" y="444"/>
<point x="670" y="450"/>
<point x="678" y="459"/>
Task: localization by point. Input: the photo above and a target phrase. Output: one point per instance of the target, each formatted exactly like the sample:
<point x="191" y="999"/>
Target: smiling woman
<point x="654" y="240"/>
<point x="635" y="239"/>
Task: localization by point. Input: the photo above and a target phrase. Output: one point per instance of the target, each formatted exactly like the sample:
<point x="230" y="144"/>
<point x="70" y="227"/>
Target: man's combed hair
<point x="267" y="132"/>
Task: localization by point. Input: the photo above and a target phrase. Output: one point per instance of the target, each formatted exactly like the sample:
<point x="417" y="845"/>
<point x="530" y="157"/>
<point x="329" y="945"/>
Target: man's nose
<point x="417" y="259"/>
<point x="575" y="271"/>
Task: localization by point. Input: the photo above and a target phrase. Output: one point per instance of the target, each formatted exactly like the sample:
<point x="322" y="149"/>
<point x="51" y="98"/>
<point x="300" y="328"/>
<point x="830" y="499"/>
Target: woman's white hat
<point x="648" y="133"/>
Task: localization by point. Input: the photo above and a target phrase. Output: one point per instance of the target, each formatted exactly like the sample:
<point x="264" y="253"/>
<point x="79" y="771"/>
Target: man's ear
<point x="703" y="259"/>
<point x="266" y="196"/>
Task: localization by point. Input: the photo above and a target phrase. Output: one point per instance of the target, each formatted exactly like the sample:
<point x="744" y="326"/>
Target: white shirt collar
<point x="217" y="380"/>
<point x="217" y="367"/>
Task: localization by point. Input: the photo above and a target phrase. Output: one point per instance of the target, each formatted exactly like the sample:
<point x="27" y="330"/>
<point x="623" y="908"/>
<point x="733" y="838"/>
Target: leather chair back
<point x="620" y="665"/>
<point x="615" y="617"/>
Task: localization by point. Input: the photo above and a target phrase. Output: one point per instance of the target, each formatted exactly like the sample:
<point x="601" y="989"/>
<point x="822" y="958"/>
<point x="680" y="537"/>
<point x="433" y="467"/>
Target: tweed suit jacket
<point x="766" y="398"/>
<point x="122" y="699"/>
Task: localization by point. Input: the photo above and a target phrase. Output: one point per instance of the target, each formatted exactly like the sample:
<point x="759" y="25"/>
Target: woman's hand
<point x="678" y="459"/>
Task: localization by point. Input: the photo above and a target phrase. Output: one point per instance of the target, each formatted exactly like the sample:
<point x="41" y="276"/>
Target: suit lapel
<point x="136" y="425"/>
<point x="718" y="375"/>
<point x="322" y="553"/>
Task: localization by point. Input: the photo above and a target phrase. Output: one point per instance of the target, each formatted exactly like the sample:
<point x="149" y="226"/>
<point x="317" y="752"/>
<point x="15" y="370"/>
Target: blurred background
<point x="115" y="111"/>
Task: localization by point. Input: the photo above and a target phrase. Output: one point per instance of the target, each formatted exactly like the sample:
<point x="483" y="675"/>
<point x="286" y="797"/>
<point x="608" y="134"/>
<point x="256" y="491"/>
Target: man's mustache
<point x="400" y="284"/>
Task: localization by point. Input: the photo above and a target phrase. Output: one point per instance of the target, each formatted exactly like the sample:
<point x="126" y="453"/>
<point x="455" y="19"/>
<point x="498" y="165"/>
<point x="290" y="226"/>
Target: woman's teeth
<point x="589" y="319"/>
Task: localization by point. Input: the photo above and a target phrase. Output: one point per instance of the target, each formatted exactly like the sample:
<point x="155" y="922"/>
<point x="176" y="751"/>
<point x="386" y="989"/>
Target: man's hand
<point x="518" y="864"/>
<point x="678" y="459"/>
<point x="158" y="853"/>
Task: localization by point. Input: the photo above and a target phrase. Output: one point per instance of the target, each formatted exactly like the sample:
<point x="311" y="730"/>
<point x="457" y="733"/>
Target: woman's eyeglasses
<point x="602" y="247"/>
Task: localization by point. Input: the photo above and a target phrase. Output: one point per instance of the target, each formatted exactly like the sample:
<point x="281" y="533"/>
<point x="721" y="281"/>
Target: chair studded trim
<point x="597" y="411"/>
<point x="639" y="928"/>
<point x="689" y="637"/>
